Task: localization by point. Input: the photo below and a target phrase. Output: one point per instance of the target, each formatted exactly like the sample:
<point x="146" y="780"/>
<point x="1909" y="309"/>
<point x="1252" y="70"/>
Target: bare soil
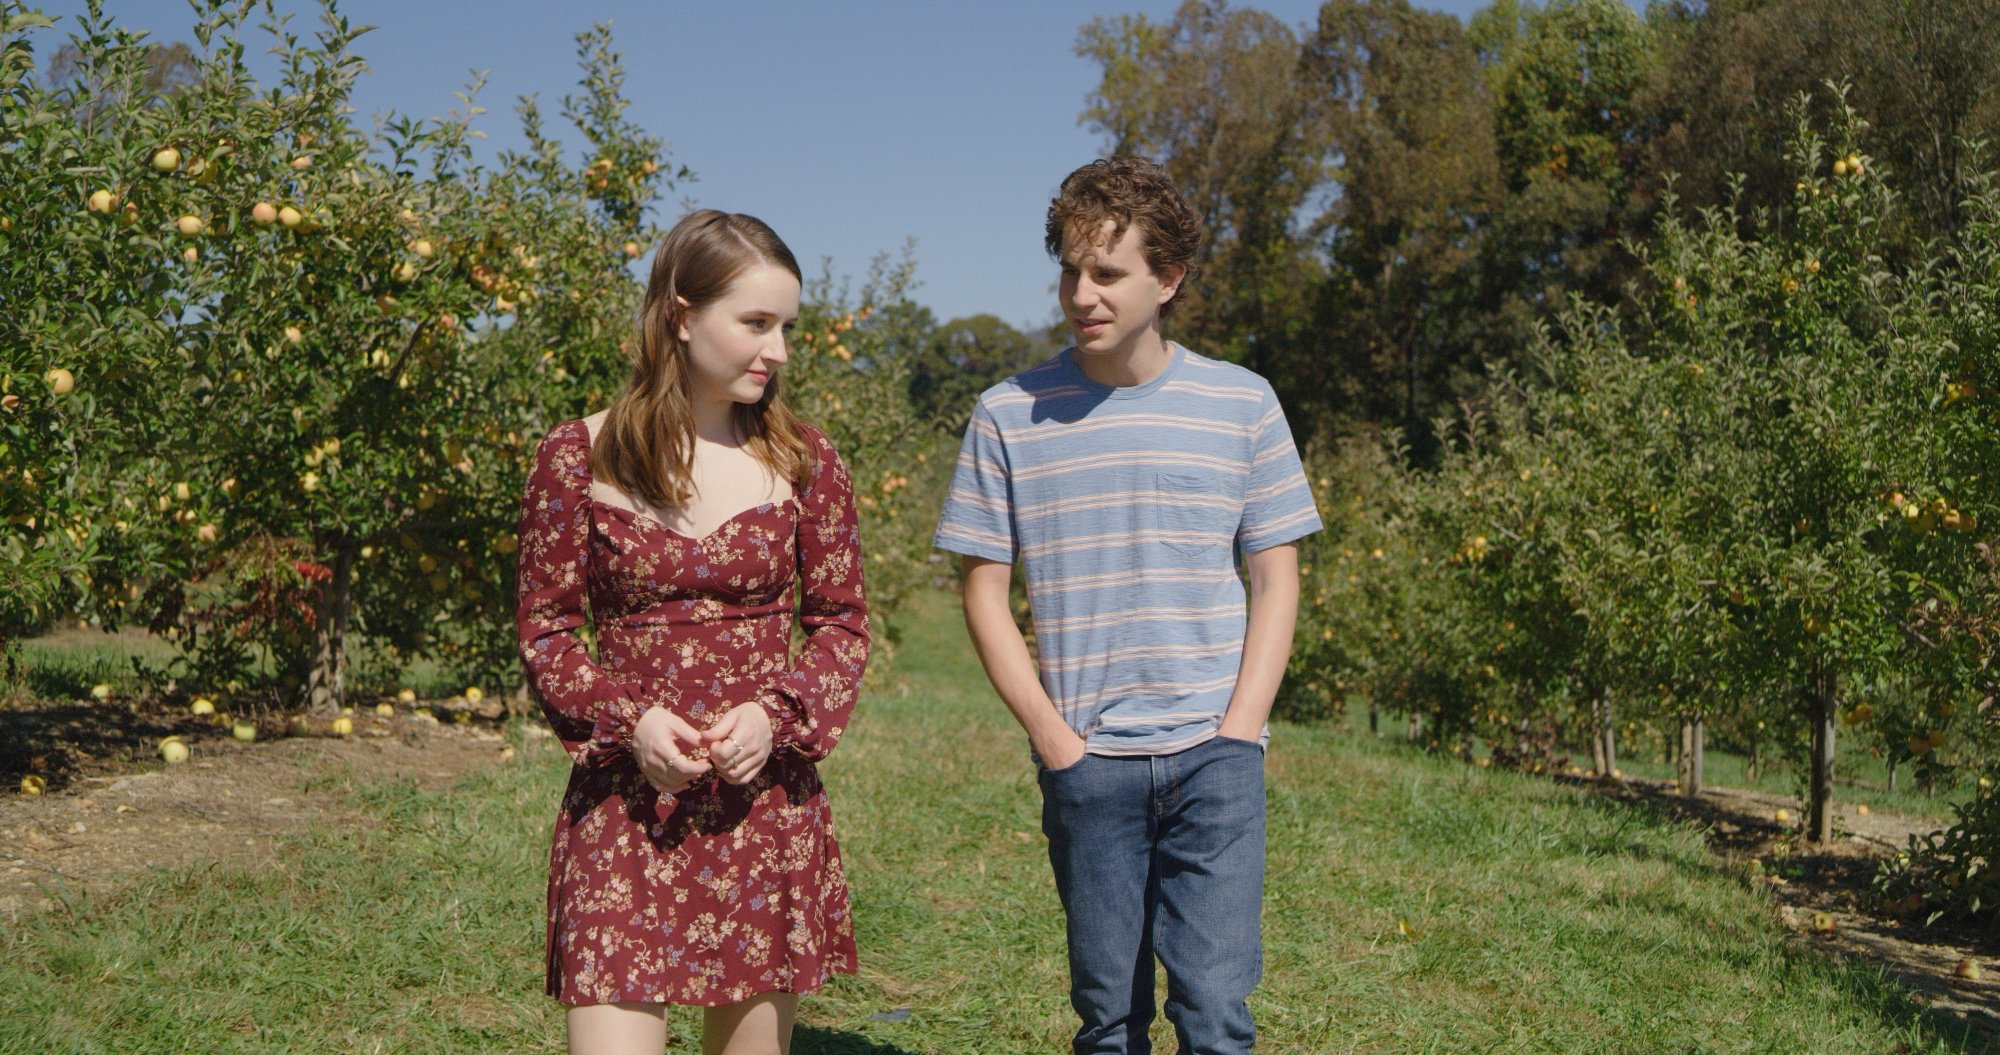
<point x="1822" y="892"/>
<point x="113" y="809"/>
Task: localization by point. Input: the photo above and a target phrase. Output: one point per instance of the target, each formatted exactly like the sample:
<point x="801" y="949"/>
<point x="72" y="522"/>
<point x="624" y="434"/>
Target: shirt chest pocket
<point x="1199" y="511"/>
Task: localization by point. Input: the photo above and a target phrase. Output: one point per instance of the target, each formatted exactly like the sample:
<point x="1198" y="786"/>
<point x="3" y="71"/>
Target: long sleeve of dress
<point x="809" y="706"/>
<point x="587" y="707"/>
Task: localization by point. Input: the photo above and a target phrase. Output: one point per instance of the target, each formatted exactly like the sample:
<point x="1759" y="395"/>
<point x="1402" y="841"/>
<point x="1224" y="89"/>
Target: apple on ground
<point x="385" y="709"/>
<point x="173" y="750"/>
<point x="202" y="705"/>
<point x="343" y="726"/>
<point x="244" y="731"/>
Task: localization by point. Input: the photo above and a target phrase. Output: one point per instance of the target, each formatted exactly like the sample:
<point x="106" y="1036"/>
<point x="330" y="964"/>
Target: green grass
<point x="1859" y="777"/>
<point x="64" y="665"/>
<point x="1540" y="919"/>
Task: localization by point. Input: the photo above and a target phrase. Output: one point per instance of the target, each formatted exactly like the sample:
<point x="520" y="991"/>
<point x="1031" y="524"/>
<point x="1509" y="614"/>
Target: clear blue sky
<point x="849" y="126"/>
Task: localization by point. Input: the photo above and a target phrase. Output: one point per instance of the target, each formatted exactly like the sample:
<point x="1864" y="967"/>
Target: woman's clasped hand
<point x="674" y="755"/>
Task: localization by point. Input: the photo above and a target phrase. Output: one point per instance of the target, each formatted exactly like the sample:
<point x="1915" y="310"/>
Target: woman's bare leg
<point x="618" y="1029"/>
<point x="761" y="1025"/>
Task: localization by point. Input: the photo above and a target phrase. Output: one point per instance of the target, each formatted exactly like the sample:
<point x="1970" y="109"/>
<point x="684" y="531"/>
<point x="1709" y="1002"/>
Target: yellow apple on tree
<point x="290" y="217"/>
<point x="60" y="381"/>
<point x="166" y="159"/>
<point x="100" y="201"/>
<point x="188" y="225"/>
<point x="263" y="214"/>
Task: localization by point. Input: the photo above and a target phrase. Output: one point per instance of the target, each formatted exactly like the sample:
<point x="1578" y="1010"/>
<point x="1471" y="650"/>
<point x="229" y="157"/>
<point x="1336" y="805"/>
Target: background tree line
<point x="1397" y="198"/>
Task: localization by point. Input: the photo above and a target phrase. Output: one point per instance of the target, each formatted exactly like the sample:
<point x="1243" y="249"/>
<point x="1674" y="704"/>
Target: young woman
<point x="694" y="858"/>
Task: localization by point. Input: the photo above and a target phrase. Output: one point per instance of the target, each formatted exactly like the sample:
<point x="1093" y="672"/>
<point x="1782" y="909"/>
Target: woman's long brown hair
<point x="646" y="446"/>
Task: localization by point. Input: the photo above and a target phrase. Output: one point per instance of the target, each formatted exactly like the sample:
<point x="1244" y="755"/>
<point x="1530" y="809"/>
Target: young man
<point x="1125" y="475"/>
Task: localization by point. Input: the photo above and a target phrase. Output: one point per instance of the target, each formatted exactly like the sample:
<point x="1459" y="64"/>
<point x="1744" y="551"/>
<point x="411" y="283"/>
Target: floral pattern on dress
<point x="723" y="891"/>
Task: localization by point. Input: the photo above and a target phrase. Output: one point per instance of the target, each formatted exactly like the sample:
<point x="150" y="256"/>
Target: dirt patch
<point x="113" y="809"/>
<point x="1823" y="892"/>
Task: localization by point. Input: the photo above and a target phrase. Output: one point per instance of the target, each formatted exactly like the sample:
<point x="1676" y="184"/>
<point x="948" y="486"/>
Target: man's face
<point x="1109" y="292"/>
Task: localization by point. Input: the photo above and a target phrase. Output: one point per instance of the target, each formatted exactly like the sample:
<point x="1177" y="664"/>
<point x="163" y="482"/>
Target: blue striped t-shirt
<point x="1126" y="507"/>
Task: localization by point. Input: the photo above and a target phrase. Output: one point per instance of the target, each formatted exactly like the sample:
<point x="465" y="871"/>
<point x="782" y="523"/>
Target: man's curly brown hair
<point x="1127" y="190"/>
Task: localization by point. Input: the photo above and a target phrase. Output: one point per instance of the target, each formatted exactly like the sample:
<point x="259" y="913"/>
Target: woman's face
<point x="736" y="344"/>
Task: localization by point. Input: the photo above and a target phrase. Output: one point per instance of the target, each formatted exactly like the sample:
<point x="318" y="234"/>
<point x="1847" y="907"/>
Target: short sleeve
<point x="978" y="517"/>
<point x="1278" y="504"/>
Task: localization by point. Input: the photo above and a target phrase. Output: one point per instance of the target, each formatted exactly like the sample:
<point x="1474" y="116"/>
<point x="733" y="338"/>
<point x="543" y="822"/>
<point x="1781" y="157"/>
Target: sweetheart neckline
<point x="731" y="519"/>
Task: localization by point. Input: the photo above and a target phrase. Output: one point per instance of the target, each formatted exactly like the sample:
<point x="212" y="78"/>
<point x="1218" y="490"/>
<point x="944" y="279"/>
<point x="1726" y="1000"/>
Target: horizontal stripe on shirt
<point x="1127" y="509"/>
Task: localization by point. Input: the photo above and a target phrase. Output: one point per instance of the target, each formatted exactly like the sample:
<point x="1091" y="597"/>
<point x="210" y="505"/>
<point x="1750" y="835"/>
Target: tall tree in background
<point x="1410" y="134"/>
<point x="1569" y="80"/>
<point x="1925" y="76"/>
<point x="1213" y="94"/>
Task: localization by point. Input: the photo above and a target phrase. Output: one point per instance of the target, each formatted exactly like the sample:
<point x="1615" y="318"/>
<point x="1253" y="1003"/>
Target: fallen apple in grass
<point x="406" y="696"/>
<point x="244" y="731"/>
<point x="385" y="710"/>
<point x="33" y="785"/>
<point x="173" y="750"/>
<point x="1822" y="922"/>
<point x="1969" y="970"/>
<point x="1782" y="816"/>
<point x="343" y="726"/>
<point x="100" y="691"/>
<point x="202" y="705"/>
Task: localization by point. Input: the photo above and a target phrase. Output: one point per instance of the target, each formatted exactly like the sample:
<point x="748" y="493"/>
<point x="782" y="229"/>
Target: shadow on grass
<point x="811" y="1040"/>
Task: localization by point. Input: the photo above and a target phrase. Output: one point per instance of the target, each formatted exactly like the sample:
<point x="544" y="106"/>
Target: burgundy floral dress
<point x="723" y="891"/>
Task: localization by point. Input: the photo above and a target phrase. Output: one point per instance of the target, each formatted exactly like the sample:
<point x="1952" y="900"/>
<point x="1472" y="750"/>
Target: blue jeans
<point x="1161" y="856"/>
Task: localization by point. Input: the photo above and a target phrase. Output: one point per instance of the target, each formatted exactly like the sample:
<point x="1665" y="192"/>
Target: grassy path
<point x="1415" y="905"/>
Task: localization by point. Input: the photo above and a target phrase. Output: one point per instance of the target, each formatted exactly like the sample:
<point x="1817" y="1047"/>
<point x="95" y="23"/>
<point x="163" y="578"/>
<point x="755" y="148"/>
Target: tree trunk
<point x="1603" y="736"/>
<point x="1699" y="745"/>
<point x="1416" y="732"/>
<point x="1892" y="772"/>
<point x="1750" y="771"/>
<point x="1689" y="756"/>
<point x="326" y="680"/>
<point x="1819" y="807"/>
<point x="1374" y="718"/>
